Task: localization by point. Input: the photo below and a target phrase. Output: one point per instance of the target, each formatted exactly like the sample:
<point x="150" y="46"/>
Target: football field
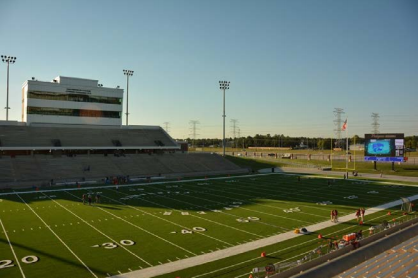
<point x="53" y="234"/>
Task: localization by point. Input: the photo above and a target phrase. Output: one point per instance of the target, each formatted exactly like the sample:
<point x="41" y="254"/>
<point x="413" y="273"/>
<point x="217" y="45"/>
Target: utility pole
<point x="166" y="126"/>
<point x="193" y="129"/>
<point x="127" y="73"/>
<point x="338" y="123"/>
<point x="9" y="60"/>
<point x="224" y="85"/>
<point x="234" y="127"/>
<point x="375" y="123"/>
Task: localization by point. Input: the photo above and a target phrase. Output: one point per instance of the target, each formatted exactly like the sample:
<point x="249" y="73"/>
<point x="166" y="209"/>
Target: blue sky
<point x="290" y="63"/>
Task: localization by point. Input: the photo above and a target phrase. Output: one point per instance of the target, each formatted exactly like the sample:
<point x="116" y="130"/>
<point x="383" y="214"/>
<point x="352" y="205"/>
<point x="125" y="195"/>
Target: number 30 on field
<point x="26" y="260"/>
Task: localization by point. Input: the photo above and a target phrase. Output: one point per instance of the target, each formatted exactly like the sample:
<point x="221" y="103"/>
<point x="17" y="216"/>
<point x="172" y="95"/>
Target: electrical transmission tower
<point x="375" y="123"/>
<point x="193" y="129"/>
<point x="166" y="126"/>
<point x="338" y="124"/>
<point x="235" y="128"/>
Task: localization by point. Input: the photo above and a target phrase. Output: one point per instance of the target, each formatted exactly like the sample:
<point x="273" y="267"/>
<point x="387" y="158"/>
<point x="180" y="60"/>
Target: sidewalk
<point x="224" y="253"/>
<point x="340" y="174"/>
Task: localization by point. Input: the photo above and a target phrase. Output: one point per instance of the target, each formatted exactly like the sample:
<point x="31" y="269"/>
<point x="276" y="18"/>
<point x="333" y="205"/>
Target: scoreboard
<point x="384" y="147"/>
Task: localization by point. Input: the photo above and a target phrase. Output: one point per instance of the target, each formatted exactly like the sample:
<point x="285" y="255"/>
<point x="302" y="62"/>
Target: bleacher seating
<point x="400" y="261"/>
<point x="48" y="136"/>
<point x="137" y="151"/>
<point x="47" y="167"/>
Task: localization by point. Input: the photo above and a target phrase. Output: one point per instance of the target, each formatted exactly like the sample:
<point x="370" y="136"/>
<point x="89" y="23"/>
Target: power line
<point x="194" y="128"/>
<point x="337" y="113"/>
<point x="166" y="126"/>
<point x="375" y="123"/>
<point x="235" y="128"/>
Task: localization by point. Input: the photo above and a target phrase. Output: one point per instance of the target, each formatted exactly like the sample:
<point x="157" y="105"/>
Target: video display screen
<point x="384" y="145"/>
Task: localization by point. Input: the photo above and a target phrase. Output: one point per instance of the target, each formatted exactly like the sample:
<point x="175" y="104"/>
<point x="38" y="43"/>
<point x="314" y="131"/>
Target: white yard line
<point x="252" y="196"/>
<point x="221" y="254"/>
<point x="208" y="220"/>
<point x="13" y="251"/>
<point x="171" y="222"/>
<point x="123" y="247"/>
<point x="138" y="227"/>
<point x="230" y="214"/>
<point x="201" y="179"/>
<point x="253" y="210"/>
<point x="46" y="225"/>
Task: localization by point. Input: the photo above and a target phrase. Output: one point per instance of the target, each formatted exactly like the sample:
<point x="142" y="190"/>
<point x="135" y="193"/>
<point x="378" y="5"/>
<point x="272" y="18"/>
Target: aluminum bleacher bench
<point x="413" y="274"/>
<point x="364" y="267"/>
<point x="400" y="246"/>
<point x="378" y="272"/>
<point x="410" y="245"/>
<point x="404" y="268"/>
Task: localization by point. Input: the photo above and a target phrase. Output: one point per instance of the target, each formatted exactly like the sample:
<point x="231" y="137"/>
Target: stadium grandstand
<point x="64" y="153"/>
<point x="68" y="135"/>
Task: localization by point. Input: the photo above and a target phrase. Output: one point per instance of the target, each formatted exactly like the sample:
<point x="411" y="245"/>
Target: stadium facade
<point x="69" y="100"/>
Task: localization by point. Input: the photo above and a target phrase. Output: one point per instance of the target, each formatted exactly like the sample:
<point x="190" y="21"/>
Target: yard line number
<point x="27" y="260"/>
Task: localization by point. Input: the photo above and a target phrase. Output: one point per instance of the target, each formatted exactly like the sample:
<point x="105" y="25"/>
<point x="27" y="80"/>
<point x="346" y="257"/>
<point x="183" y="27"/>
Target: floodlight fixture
<point x="127" y="73"/>
<point x="224" y="85"/>
<point x="9" y="60"/>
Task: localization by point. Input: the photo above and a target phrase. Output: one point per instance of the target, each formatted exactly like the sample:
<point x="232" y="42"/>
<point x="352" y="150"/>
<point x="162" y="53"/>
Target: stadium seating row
<point x="44" y="136"/>
<point x="47" y="167"/>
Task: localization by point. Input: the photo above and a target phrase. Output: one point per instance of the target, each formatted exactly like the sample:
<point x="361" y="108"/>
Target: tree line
<point x="279" y="140"/>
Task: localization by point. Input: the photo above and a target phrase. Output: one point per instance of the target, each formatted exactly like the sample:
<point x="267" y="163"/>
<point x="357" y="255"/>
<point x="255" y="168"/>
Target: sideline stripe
<point x="46" y="225"/>
<point x="13" y="251"/>
<point x="142" y="229"/>
<point x="123" y="247"/>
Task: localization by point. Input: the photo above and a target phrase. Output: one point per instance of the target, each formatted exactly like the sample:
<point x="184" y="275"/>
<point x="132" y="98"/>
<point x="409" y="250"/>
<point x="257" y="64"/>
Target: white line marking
<point x="13" y="251"/>
<point x="69" y="249"/>
<point x="173" y="223"/>
<point x="123" y="247"/>
<point x="142" y="229"/>
<point x="208" y="220"/>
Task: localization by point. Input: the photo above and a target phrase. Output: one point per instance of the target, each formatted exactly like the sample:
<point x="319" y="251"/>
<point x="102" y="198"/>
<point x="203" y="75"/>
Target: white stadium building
<point x="69" y="100"/>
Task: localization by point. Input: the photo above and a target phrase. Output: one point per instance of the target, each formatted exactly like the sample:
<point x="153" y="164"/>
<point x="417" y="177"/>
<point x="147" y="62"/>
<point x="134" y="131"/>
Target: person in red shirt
<point x="362" y="211"/>
<point x="358" y="215"/>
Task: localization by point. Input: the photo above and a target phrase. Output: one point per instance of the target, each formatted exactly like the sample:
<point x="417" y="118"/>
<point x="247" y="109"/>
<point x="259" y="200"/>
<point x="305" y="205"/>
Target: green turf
<point x="361" y="167"/>
<point x="137" y="213"/>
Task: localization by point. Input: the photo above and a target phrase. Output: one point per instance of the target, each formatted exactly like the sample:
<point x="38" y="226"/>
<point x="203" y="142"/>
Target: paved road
<point x="341" y="174"/>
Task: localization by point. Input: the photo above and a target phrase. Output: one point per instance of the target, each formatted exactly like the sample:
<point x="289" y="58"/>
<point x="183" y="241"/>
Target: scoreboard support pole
<point x="374" y="165"/>
<point x="393" y="166"/>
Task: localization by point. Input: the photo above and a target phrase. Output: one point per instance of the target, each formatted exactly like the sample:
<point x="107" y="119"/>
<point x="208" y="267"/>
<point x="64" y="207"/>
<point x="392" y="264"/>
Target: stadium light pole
<point x="224" y="85"/>
<point x="9" y="60"/>
<point x="127" y="73"/>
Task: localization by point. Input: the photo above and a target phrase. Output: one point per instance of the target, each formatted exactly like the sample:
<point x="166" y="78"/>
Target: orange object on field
<point x="349" y="237"/>
<point x="319" y="236"/>
<point x="263" y="254"/>
<point x="389" y="213"/>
